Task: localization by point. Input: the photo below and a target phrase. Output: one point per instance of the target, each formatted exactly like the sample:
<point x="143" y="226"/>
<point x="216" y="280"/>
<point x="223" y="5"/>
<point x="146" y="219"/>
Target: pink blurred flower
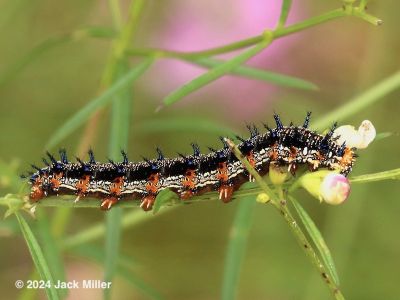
<point x="196" y="25"/>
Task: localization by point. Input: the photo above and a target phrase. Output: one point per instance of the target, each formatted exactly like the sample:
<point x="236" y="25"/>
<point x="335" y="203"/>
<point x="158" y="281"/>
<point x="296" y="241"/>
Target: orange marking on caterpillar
<point x="37" y="192"/>
<point x="273" y="153"/>
<point x="82" y="185"/>
<point x="252" y="162"/>
<point x="189" y="180"/>
<point x="56" y="181"/>
<point x="347" y="158"/>
<point x="225" y="190"/>
<point x="189" y="184"/>
<point x="116" y="186"/>
<point x="152" y="184"/>
<point x="222" y="174"/>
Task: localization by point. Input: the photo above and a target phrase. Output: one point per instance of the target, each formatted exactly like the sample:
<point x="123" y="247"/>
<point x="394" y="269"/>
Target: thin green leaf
<point x="82" y="115"/>
<point x="383" y="135"/>
<point x="93" y="32"/>
<point x="120" y="119"/>
<point x="318" y="240"/>
<point x="40" y="50"/>
<point x="286" y="4"/>
<point x="391" y="174"/>
<point x="164" y="197"/>
<point x="120" y="116"/>
<point x="366" y="99"/>
<point x="254" y="73"/>
<point x="51" y="251"/>
<point x="182" y="124"/>
<point x="37" y="257"/>
<point x="112" y="241"/>
<point x="15" y="68"/>
<point x="215" y="73"/>
<point x="237" y="245"/>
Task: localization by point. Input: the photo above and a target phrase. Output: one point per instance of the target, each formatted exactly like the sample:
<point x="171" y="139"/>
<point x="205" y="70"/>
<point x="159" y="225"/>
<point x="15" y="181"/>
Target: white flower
<point x="360" y="138"/>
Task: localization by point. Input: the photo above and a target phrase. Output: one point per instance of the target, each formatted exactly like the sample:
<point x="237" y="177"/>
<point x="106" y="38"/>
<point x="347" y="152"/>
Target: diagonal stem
<point x="279" y="202"/>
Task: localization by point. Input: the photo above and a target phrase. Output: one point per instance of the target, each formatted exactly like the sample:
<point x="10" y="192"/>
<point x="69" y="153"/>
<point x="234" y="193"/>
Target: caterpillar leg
<point x="147" y="202"/>
<point x="225" y="193"/>
<point x="108" y="202"/>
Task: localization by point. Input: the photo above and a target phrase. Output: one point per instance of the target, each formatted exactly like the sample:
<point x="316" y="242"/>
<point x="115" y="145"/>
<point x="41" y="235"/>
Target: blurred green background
<point x="181" y="253"/>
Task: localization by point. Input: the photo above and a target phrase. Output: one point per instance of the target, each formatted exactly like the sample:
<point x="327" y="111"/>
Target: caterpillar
<point x="190" y="175"/>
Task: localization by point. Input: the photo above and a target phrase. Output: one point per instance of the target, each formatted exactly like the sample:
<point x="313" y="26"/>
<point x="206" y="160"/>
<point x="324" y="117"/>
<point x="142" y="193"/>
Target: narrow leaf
<point x="41" y="49"/>
<point x="37" y="257"/>
<point x="215" y="73"/>
<point x="16" y="67"/>
<point x="365" y="99"/>
<point x="82" y="115"/>
<point x="182" y="124"/>
<point x="254" y="73"/>
<point x="120" y="119"/>
<point x="51" y="251"/>
<point x="391" y="174"/>
<point x="112" y="241"/>
<point x="237" y="247"/>
<point x="318" y="240"/>
<point x="165" y="196"/>
<point x="286" y="4"/>
<point x="383" y="135"/>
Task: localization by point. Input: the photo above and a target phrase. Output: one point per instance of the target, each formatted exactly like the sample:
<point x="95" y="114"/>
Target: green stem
<point x="120" y="45"/>
<point x="279" y="202"/>
<point x="367" y="17"/>
<point x="120" y="118"/>
<point x="334" y="14"/>
<point x="115" y="13"/>
<point x="361" y="101"/>
<point x="277" y="33"/>
<point x="307" y="248"/>
<point x="363" y="4"/>
<point x="236" y="250"/>
<point x="211" y="196"/>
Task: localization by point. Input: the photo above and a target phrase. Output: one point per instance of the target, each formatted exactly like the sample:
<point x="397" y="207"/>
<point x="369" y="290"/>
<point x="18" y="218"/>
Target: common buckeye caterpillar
<point x="194" y="174"/>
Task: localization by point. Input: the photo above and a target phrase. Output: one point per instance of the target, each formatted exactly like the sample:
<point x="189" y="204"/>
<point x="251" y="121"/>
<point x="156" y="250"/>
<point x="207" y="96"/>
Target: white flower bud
<point x="335" y="189"/>
<point x="360" y="138"/>
<point x="327" y="186"/>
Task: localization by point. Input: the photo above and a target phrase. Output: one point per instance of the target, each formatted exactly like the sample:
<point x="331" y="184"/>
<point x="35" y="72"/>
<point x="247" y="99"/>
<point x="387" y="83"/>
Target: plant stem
<point x="120" y="118"/>
<point x="277" y="199"/>
<point x="307" y="248"/>
<point x="115" y="13"/>
<point x="334" y="14"/>
<point x="365" y="99"/>
<point x="277" y="33"/>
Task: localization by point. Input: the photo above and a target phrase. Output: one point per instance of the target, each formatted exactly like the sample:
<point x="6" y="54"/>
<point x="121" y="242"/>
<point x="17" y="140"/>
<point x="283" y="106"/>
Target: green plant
<point x="114" y="90"/>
